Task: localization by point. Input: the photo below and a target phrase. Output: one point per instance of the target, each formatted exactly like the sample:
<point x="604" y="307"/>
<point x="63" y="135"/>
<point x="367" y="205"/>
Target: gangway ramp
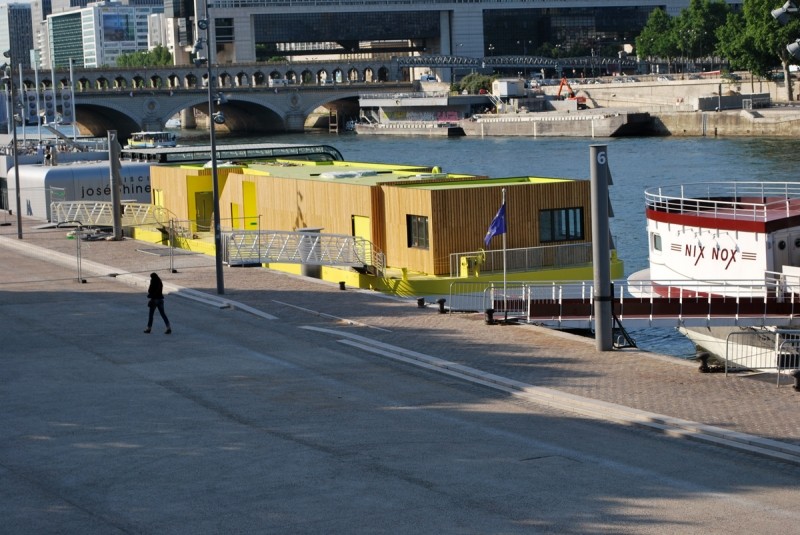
<point x="101" y="214"/>
<point x="310" y="248"/>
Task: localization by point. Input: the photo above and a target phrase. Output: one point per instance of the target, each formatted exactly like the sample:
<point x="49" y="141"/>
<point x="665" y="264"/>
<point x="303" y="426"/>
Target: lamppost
<point x="214" y="118"/>
<point x="7" y="71"/>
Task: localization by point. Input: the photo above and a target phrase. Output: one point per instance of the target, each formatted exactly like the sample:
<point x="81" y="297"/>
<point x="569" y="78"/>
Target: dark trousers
<point x="159" y="304"/>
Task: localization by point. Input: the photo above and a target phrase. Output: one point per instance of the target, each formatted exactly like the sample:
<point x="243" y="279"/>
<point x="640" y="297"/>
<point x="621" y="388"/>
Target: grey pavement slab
<point x="531" y="355"/>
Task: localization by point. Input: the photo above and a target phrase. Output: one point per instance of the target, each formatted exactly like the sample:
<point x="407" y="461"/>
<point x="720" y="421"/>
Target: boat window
<point x="562" y="224"/>
<point x="782" y="245"/>
<point x="656" y="242"/>
<point x="417" y="227"/>
<point x="797" y="242"/>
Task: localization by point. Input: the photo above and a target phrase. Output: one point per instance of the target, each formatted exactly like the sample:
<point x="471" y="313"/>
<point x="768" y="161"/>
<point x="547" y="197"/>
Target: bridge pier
<point x="187" y="119"/>
<point x="295" y="122"/>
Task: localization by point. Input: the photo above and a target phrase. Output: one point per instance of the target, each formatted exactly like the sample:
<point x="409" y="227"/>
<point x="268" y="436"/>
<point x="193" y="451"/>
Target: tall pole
<point x="13" y="123"/>
<point x="16" y="158"/>
<point x="603" y="312"/>
<point x="38" y="110"/>
<point x="72" y="100"/>
<point x="505" y="288"/>
<point x="214" y="174"/>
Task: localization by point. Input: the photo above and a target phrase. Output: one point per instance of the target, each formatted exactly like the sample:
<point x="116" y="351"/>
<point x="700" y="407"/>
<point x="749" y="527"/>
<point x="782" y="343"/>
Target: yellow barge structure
<point x="421" y="230"/>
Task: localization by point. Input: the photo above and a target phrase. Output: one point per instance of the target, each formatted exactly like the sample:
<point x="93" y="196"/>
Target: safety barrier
<point x="761" y="349"/>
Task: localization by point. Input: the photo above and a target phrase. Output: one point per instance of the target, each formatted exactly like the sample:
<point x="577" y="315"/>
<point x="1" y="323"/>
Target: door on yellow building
<point x="362" y="227"/>
<point x="204" y="209"/>
<point x="249" y="206"/>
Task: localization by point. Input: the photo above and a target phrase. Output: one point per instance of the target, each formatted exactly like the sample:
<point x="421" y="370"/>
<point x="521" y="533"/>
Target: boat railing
<point x="520" y="259"/>
<point x="756" y="201"/>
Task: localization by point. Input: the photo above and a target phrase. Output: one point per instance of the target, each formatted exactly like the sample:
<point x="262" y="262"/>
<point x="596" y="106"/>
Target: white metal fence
<point x="762" y="349"/>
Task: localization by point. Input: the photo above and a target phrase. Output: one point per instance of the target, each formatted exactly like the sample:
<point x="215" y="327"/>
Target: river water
<point x="635" y="163"/>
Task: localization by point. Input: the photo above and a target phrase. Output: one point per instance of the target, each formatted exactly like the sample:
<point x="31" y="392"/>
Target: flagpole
<point x="505" y="295"/>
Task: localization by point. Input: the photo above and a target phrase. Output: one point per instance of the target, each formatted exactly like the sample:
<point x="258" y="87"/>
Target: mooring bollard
<point x="489" y="316"/>
<point x="341" y="285"/>
<point x="441" y="303"/>
<point x="421" y="302"/>
<point x="796" y="375"/>
<point x="703" y="358"/>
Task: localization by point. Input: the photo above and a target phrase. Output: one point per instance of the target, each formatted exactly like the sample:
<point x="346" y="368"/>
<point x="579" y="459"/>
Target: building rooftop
<point x="370" y="174"/>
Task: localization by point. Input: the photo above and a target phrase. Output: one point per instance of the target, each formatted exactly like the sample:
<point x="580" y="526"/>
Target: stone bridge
<point x="246" y="109"/>
<point x="263" y="97"/>
<point x="260" y="97"/>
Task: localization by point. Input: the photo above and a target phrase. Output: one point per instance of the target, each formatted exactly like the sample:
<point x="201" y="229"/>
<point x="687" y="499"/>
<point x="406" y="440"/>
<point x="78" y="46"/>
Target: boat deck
<point x="741" y="201"/>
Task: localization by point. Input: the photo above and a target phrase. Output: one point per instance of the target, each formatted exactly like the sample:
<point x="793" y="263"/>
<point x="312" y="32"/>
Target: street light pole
<point x="205" y="24"/>
<point x="13" y="120"/>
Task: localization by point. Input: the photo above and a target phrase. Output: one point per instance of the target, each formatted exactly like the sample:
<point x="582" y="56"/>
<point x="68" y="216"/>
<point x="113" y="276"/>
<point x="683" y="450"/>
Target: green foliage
<point x="657" y="37"/>
<point x="157" y="57"/>
<point x="474" y="82"/>
<point x="695" y="28"/>
<point x="757" y="42"/>
<point x="692" y="34"/>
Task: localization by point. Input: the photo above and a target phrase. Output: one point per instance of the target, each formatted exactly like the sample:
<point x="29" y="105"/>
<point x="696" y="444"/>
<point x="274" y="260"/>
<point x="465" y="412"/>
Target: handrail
<point x="757" y="201"/>
<point x="240" y="247"/>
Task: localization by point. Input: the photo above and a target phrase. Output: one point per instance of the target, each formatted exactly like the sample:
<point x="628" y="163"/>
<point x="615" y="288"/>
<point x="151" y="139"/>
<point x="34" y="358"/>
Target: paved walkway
<point x="742" y="411"/>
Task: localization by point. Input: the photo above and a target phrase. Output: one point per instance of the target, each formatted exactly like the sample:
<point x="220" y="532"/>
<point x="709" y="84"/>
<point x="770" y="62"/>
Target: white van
<point x="278" y="82"/>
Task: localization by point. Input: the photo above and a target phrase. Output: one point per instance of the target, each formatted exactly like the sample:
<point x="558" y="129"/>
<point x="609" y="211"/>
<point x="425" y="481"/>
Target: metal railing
<point x="766" y="350"/>
<point x="243" y="247"/>
<point x="480" y="296"/>
<point x="100" y="214"/>
<point x="521" y="259"/>
<point x="756" y="201"/>
<point x="571" y="303"/>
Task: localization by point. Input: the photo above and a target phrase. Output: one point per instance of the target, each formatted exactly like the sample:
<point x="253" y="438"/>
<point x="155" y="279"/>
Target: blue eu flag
<point x="498" y="225"/>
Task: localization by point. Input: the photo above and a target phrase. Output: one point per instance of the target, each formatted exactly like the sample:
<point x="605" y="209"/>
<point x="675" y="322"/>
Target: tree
<point x="695" y="28"/>
<point x="474" y="82"/>
<point x="758" y="41"/>
<point x="159" y="56"/>
<point x="657" y="37"/>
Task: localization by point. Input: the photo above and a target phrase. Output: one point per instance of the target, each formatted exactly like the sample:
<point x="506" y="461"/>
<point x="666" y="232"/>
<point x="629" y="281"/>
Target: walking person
<point x="155" y="300"/>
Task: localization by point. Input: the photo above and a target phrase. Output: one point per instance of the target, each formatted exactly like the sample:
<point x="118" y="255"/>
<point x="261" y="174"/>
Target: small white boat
<point x="151" y="140"/>
<point x="736" y="246"/>
<point x="173" y="124"/>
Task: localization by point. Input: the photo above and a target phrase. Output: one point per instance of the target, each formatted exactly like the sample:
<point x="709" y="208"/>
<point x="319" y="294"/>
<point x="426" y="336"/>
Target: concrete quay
<point x="668" y="395"/>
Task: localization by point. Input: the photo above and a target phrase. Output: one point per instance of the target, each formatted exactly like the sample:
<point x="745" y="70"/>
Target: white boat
<point x="736" y="245"/>
<point x="151" y="140"/>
